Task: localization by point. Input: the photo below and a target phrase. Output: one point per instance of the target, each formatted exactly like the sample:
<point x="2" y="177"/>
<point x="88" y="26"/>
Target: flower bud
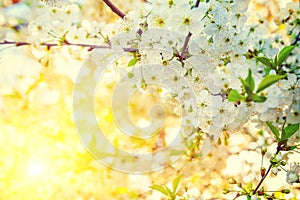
<point x="225" y="191"/>
<point x="262" y="171"/>
<point x="263" y="151"/>
<point x="286" y="191"/>
<point x="283" y="163"/>
<point x="279" y="156"/>
<point x="275" y="171"/>
<point x="231" y="181"/>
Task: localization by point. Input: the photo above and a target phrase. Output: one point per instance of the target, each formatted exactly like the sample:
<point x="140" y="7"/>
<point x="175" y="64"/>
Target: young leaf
<point x="235" y="96"/>
<point x="290" y="130"/>
<point x="132" y="62"/>
<point x="265" y="61"/>
<point x="284" y="53"/>
<point x="246" y="86"/>
<point x="258" y="98"/>
<point x="250" y="186"/>
<point x="267" y="70"/>
<point x="276" y="60"/>
<point x="175" y="183"/>
<point x="160" y="188"/>
<point x="268" y="81"/>
<point x="274" y="130"/>
<point x="170" y="193"/>
<point x="250" y="80"/>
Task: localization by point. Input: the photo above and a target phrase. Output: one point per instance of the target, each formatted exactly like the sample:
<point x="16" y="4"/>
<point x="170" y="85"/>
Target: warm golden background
<point x="41" y="156"/>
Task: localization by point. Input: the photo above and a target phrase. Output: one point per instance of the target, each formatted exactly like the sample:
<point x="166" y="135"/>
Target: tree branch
<point x="114" y="8"/>
<point x="66" y="43"/>
<point x="49" y="45"/>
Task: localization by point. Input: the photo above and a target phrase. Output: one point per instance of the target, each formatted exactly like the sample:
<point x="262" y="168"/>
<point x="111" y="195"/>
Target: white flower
<point x="76" y="35"/>
<point x="39" y="28"/>
<point x="274" y="96"/>
<point x="254" y="198"/>
<point x="241" y="5"/>
<point x="290" y="7"/>
<point x="237" y="68"/>
<point x="287" y="84"/>
<point x="293" y="113"/>
<point x="241" y="44"/>
<point x="184" y="19"/>
<point x="292" y="175"/>
<point x="211" y="29"/>
<point x="223" y="40"/>
<point x="220" y="16"/>
<point x="93" y="28"/>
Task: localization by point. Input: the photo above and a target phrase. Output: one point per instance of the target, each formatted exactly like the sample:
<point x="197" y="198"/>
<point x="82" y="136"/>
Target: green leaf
<point x="267" y="70"/>
<point x="250" y="186"/>
<point x="284" y="53"/>
<point x="269" y="80"/>
<point x="160" y="188"/>
<point x="250" y="80"/>
<point x="290" y="130"/>
<point x="293" y="147"/>
<point x="170" y="193"/>
<point x="132" y="62"/>
<point x="246" y="86"/>
<point x="235" y="96"/>
<point x="265" y="61"/>
<point x="276" y="60"/>
<point x="258" y="98"/>
<point x="175" y="183"/>
<point x="274" y="130"/>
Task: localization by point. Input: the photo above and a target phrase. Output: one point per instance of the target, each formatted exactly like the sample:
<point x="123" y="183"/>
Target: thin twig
<point x="49" y="45"/>
<point x="185" y="46"/>
<point x="262" y="180"/>
<point x="66" y="43"/>
<point x="114" y="8"/>
<point x="297" y="39"/>
<point x="197" y="3"/>
<point x="17" y="44"/>
<point x="132" y="50"/>
<point x="267" y="173"/>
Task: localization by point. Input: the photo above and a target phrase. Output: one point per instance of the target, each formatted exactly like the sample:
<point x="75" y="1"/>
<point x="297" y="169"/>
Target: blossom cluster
<point x="187" y="58"/>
